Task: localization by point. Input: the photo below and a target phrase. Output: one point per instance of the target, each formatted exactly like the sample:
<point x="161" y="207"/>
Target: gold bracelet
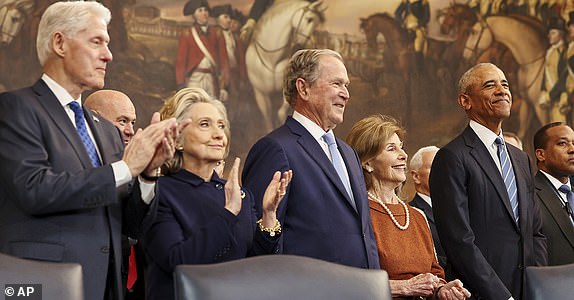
<point x="276" y="230"/>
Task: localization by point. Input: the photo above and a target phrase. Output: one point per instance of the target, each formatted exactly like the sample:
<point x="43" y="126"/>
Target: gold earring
<point x="179" y="148"/>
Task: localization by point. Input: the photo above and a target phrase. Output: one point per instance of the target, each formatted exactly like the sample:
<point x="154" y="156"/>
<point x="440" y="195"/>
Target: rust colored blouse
<point x="404" y="253"/>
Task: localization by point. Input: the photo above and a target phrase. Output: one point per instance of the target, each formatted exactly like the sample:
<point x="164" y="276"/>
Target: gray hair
<point x="303" y="64"/>
<point x="467" y="79"/>
<point x="69" y="18"/>
<point x="417" y="159"/>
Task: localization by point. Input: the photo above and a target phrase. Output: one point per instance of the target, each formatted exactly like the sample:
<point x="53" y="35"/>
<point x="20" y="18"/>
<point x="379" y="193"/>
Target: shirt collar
<point x="484" y="134"/>
<point x="315" y="130"/>
<point x="426" y="198"/>
<point x="555" y="182"/>
<point x="61" y="94"/>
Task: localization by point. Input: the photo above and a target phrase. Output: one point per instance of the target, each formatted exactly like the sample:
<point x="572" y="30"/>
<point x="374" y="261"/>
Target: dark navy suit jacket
<point x="556" y="224"/>
<point x="193" y="227"/>
<point x="485" y="247"/>
<point x="318" y="218"/>
<point x="54" y="206"/>
<point x="421" y="204"/>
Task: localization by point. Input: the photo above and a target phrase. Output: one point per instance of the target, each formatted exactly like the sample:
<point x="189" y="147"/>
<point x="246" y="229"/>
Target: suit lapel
<point x="548" y="195"/>
<point x="314" y="150"/>
<point x="426" y="208"/>
<point x="484" y="160"/>
<point x="349" y="157"/>
<point x="61" y="120"/>
<point x="521" y="167"/>
<point x="99" y="132"/>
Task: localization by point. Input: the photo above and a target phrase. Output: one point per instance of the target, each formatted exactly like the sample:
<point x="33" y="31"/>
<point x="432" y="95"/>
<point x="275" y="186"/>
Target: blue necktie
<point x="83" y="132"/>
<point x="508" y="176"/>
<point x="570" y="196"/>
<point x="338" y="164"/>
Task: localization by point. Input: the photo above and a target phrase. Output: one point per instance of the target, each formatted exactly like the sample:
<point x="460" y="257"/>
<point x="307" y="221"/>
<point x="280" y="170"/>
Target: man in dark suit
<point x="67" y="183"/>
<point x="488" y="233"/>
<point x="554" y="150"/>
<point x="325" y="213"/>
<point x="119" y="109"/>
<point x="420" y="166"/>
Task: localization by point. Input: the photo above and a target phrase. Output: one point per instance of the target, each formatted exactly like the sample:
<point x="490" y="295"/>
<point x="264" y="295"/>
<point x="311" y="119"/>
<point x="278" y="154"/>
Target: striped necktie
<point x="508" y="176"/>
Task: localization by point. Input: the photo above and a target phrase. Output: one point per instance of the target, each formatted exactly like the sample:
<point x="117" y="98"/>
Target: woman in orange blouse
<point x="404" y="241"/>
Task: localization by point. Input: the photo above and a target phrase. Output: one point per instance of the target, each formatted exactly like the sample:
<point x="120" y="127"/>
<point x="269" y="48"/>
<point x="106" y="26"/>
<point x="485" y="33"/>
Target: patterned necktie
<point x="570" y="196"/>
<point x="508" y="176"/>
<point x="83" y="132"/>
<point x="338" y="164"/>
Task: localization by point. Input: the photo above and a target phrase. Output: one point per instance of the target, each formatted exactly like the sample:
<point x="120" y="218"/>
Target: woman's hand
<point x="233" y="190"/>
<point x="273" y="195"/>
<point x="453" y="290"/>
<point x="421" y="285"/>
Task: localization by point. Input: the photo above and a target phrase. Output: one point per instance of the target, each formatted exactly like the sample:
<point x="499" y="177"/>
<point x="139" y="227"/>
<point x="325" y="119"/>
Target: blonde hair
<point x="368" y="137"/>
<point x="177" y="107"/>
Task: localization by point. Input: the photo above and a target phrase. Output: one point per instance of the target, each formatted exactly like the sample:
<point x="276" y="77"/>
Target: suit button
<point x="219" y="186"/>
<point x="105" y="249"/>
<point x="520" y="267"/>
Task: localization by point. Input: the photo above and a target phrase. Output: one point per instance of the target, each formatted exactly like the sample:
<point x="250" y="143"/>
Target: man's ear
<point x="416" y="177"/>
<point x="464" y="102"/>
<point x="540" y="155"/>
<point x="57" y="43"/>
<point x="302" y="88"/>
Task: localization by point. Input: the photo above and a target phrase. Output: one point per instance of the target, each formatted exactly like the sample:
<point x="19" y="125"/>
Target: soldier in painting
<point x="202" y="59"/>
<point x="570" y="65"/>
<point x="234" y="47"/>
<point x="414" y="16"/>
<point x="554" y="97"/>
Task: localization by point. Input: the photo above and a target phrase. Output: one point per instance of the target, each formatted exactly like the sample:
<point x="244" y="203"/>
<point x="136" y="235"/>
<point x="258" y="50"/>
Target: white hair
<point x="69" y="18"/>
<point x="417" y="159"/>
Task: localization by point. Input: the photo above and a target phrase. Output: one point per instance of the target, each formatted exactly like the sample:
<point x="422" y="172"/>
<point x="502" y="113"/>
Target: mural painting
<point x="403" y="56"/>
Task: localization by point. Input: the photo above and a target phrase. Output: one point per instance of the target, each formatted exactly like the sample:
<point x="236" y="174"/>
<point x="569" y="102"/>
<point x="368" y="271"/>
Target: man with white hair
<point x="68" y="184"/>
<point x="420" y="167"/>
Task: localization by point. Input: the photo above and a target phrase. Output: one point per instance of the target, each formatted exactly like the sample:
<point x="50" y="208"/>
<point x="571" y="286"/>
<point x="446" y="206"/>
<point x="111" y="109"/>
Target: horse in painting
<point x="13" y="14"/>
<point x="525" y="53"/>
<point x="285" y="27"/>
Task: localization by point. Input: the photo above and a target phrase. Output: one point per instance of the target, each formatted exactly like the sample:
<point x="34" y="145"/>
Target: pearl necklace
<point x="399" y="226"/>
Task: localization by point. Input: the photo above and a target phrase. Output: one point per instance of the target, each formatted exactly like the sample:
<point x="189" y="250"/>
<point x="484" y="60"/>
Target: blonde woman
<point x="202" y="218"/>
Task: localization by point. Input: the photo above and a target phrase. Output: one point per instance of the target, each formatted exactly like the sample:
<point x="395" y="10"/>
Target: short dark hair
<point x="541" y="138"/>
